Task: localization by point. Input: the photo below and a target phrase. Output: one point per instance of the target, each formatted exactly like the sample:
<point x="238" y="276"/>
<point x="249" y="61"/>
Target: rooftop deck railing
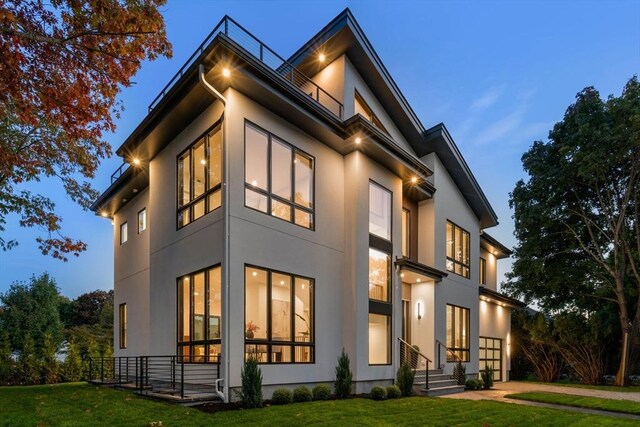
<point x="264" y="54"/>
<point x="118" y="173"/>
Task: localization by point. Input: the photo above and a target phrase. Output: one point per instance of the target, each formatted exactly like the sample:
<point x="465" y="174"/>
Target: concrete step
<point x="434" y="377"/>
<point x="437" y="384"/>
<point x="441" y="391"/>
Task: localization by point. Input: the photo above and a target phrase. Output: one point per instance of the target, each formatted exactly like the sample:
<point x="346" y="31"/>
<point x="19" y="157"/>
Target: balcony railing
<point x="118" y="173"/>
<point x="264" y="54"/>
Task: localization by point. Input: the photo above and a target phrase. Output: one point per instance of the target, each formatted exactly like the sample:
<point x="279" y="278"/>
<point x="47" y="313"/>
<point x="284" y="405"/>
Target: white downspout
<point x="225" y="199"/>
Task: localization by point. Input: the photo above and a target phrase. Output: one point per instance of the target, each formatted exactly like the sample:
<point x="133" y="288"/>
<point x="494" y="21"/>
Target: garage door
<point x="491" y="355"/>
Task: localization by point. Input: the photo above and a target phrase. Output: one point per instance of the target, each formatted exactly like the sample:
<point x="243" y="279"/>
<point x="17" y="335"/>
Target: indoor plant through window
<point x="251" y="329"/>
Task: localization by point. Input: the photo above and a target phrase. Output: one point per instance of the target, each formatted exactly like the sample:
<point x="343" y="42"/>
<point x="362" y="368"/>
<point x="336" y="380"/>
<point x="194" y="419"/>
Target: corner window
<point x="364" y="110"/>
<point x="200" y="177"/>
<point x="122" y="322"/>
<point x="124" y="234"/>
<point x="406" y="230"/>
<point x="142" y="220"/>
<point x="379" y="211"/>
<point x="200" y="315"/>
<point x="278" y="316"/>
<point x="457" y="332"/>
<point x="483" y="271"/>
<point x="279" y="178"/>
<point x="458" y="249"/>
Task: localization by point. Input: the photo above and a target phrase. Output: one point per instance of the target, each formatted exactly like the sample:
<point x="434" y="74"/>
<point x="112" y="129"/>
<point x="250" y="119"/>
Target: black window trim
<point x="485" y="359"/>
<point x="122" y="325"/>
<point x="145" y="220"/>
<point x="482" y="267"/>
<point x="453" y="260"/>
<point x="460" y="350"/>
<point x="124" y="224"/>
<point x="408" y="236"/>
<point x="267" y="193"/>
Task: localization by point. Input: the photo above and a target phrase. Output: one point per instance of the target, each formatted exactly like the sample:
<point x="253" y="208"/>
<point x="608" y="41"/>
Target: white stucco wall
<point x="495" y="322"/>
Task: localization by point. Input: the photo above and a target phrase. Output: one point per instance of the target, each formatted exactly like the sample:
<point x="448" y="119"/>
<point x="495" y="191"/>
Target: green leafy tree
<point x="28" y="366"/>
<point x="7" y="364"/>
<point x="577" y="218"/>
<point x="72" y="368"/>
<point x="50" y="368"/>
<point x="344" y="376"/>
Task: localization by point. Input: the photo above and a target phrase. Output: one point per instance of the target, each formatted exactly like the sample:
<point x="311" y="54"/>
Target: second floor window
<point x="279" y="178"/>
<point x="483" y="271"/>
<point x="458" y="248"/>
<point x="379" y="211"/>
<point x="124" y="233"/>
<point x="406" y="232"/>
<point x="142" y="220"/>
<point x="200" y="177"/>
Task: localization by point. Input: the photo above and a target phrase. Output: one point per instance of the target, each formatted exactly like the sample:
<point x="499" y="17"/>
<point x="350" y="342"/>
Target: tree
<point x="31" y="310"/>
<point x="63" y="64"/>
<point x="6" y="360"/>
<point x="50" y="366"/>
<point x="344" y="376"/>
<point x="71" y="369"/>
<point x="541" y="350"/>
<point x="577" y="218"/>
<point x="87" y="309"/>
<point x="28" y="366"/>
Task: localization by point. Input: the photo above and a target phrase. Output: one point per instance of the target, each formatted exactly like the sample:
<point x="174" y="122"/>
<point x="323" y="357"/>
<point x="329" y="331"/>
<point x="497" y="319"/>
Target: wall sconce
<point x="419" y="310"/>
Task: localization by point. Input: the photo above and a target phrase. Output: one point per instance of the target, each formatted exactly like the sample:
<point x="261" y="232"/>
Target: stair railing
<point x="413" y="357"/>
<point x="441" y="346"/>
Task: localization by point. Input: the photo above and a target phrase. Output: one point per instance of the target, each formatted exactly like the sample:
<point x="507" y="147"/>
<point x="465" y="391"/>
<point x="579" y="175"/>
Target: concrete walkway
<point x="500" y="389"/>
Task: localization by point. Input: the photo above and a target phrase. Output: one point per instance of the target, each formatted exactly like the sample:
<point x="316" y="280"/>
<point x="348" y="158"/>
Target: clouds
<point x="488" y="99"/>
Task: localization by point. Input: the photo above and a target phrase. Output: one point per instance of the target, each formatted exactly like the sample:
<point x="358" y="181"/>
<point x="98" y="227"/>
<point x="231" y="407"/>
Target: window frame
<point x="122" y="325"/>
<point x="269" y="342"/>
<point x="385" y="189"/>
<point x="142" y="211"/>
<point x="453" y="260"/>
<point x="124" y="226"/>
<point x="495" y="372"/>
<point x="482" y="271"/>
<point x="191" y="358"/>
<point x="205" y="196"/>
<point x="461" y="352"/>
<point x="406" y="237"/>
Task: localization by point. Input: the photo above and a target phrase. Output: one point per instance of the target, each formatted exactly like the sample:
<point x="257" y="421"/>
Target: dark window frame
<point x="464" y="353"/>
<point x="491" y="359"/>
<point x="406" y="240"/>
<point x="453" y="260"/>
<point x="145" y="220"/>
<point x="189" y="207"/>
<point x="269" y="342"/>
<point x="191" y="358"/>
<point x="268" y="192"/>
<point x="122" y="325"/>
<point x="483" y="271"/>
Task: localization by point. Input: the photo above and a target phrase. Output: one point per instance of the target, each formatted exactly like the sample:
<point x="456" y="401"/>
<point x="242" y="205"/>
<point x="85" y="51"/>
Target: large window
<point x="483" y="271"/>
<point x="200" y="315"/>
<point x="379" y="339"/>
<point x="364" y="110"/>
<point x="200" y="177"/>
<point x="279" y="178"/>
<point x="406" y="232"/>
<point x="122" y="322"/>
<point x="278" y="316"/>
<point x="491" y="355"/>
<point x="379" y="275"/>
<point x="457" y="332"/>
<point x="458" y="248"/>
<point x="379" y="211"/>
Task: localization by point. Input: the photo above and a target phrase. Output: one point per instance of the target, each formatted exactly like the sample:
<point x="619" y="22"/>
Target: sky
<point x="499" y="74"/>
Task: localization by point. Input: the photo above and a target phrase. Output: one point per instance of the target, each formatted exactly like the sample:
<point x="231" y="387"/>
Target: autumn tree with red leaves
<point x="62" y="65"/>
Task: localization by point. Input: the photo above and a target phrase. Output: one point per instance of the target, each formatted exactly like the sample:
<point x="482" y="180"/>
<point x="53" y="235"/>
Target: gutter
<point x="225" y="200"/>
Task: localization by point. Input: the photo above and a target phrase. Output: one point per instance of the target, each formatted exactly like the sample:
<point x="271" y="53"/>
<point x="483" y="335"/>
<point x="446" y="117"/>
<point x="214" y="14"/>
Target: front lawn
<point x="81" y="404"/>
<point x="624" y="406"/>
<point x="629" y="389"/>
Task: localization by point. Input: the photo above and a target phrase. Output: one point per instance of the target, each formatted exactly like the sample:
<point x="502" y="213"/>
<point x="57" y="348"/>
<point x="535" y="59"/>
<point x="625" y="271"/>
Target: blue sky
<point x="498" y="74"/>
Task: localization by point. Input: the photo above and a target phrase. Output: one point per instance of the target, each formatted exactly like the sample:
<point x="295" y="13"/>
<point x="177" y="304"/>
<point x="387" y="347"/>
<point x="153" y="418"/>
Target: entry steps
<point x="439" y="383"/>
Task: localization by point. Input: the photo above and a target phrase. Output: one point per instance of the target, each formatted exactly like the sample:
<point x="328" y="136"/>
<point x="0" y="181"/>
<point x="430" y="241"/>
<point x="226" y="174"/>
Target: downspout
<point x="225" y="270"/>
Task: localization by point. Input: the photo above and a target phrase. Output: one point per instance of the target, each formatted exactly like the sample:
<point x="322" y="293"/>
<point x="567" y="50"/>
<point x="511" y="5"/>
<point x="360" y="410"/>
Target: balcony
<point x="254" y="47"/>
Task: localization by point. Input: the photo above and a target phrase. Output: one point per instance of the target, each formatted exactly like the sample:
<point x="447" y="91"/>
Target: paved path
<point x="500" y="389"/>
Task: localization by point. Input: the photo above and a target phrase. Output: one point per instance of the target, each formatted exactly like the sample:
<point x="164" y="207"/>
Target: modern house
<point x="287" y="209"/>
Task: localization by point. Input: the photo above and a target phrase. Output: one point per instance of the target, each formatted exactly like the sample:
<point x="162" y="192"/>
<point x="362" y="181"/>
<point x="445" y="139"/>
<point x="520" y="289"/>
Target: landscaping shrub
<point x="460" y="373"/>
<point x="487" y="377"/>
<point x="28" y="367"/>
<point x="6" y="362"/>
<point x="473" y="384"/>
<point x="302" y="394"/>
<point x="282" y="396"/>
<point x="393" y="392"/>
<point x="251" y="394"/>
<point x="50" y="369"/>
<point x="378" y="393"/>
<point x="404" y="379"/>
<point x="71" y="369"/>
<point x="321" y="392"/>
<point x="344" y="376"/>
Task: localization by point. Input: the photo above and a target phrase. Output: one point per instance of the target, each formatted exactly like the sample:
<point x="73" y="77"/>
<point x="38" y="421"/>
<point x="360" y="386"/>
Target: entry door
<point x="491" y="355"/>
<point x="406" y="321"/>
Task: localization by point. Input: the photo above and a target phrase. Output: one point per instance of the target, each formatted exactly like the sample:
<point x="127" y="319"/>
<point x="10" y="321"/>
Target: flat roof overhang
<point x="415" y="272"/>
<point x="498" y="298"/>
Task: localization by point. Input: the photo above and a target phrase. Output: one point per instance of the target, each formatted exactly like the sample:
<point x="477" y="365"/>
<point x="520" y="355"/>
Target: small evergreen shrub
<point x="282" y="396"/>
<point x="393" y="392"/>
<point x="50" y="367"/>
<point x="71" y="369"/>
<point x="251" y="392"/>
<point x="474" y="384"/>
<point x="28" y="366"/>
<point x="302" y="394"/>
<point x="460" y="373"/>
<point x="487" y="377"/>
<point x="321" y="392"/>
<point x="378" y="393"/>
<point x="6" y="361"/>
<point x="404" y="379"/>
<point x="344" y="376"/>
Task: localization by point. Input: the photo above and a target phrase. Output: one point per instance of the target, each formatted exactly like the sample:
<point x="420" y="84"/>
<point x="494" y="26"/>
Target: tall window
<point x="491" y="356"/>
<point x="364" y="110"/>
<point x="458" y="332"/>
<point x="142" y="220"/>
<point x="458" y="248"/>
<point x="124" y="233"/>
<point x="406" y="230"/>
<point x="200" y="177"/>
<point x="122" y="321"/>
<point x="380" y="248"/>
<point x="200" y="315"/>
<point x="279" y="178"/>
<point x="483" y="271"/>
<point x="278" y="316"/>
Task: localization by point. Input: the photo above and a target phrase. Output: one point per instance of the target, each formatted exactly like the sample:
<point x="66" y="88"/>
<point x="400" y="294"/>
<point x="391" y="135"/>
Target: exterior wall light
<point x="136" y="161"/>
<point x="419" y="310"/>
<point x="414" y="179"/>
<point x="226" y="72"/>
<point x="321" y="57"/>
<point x="103" y="214"/>
<point x="358" y="140"/>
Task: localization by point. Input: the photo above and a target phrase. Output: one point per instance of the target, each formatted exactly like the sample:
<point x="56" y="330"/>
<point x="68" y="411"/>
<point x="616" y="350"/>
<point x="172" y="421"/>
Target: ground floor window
<point x="278" y="316"/>
<point x="457" y="333"/>
<point x="379" y="339"/>
<point x="491" y="355"/>
<point x="122" y="321"/>
<point x="200" y="315"/>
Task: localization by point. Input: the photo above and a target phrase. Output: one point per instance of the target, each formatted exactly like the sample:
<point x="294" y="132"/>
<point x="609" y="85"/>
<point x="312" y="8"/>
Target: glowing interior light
<point x="282" y="282"/>
<point x="418" y="280"/>
<point x="254" y="182"/>
<point x="203" y="162"/>
<point x="226" y="72"/>
<point x="255" y="273"/>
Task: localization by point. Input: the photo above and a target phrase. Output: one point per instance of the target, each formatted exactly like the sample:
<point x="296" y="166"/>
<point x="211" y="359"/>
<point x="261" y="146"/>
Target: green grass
<point x="81" y="404"/>
<point x="613" y="405"/>
<point x="629" y="389"/>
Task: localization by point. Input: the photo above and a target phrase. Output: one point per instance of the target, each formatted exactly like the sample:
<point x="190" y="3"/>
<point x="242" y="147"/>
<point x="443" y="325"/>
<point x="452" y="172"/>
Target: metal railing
<point x="253" y="46"/>
<point x="173" y="376"/>
<point x="441" y="346"/>
<point x="415" y="359"/>
<point x="118" y="173"/>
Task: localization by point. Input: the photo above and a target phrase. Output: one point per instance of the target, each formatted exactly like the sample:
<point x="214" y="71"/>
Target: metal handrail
<point x="245" y="40"/>
<point x="414" y="350"/>
<point x="403" y="345"/>
<point x="456" y="358"/>
<point x="118" y="173"/>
